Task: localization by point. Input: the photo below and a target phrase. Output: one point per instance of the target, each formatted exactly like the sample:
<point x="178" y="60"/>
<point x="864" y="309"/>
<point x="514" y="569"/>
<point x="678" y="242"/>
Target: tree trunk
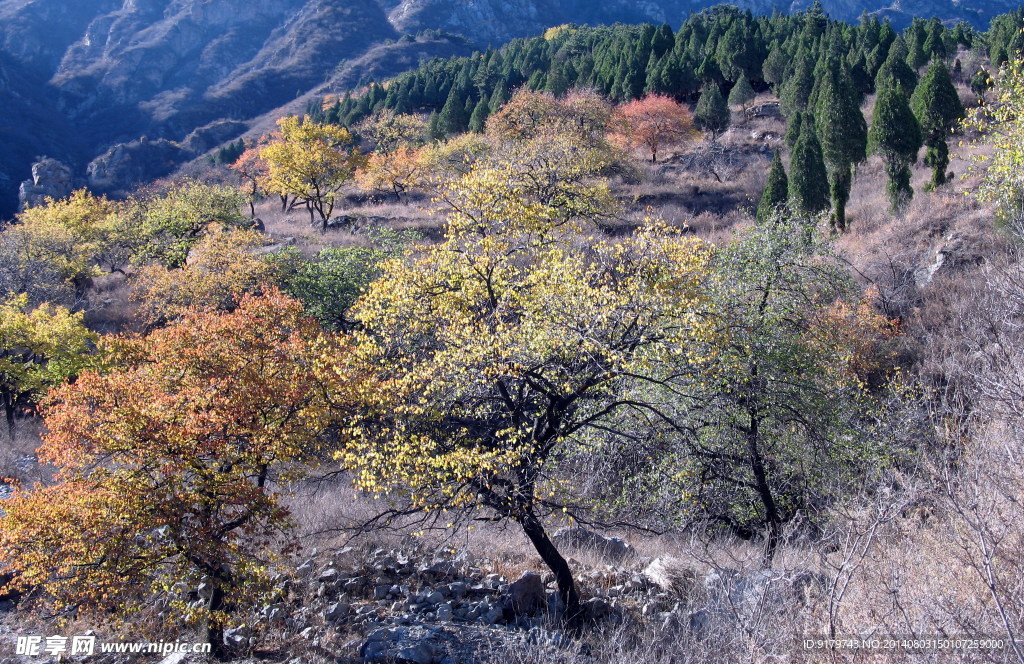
<point x="214" y="628"/>
<point x="764" y="491"/>
<point x="840" y="182"/>
<point x="9" y="412"/>
<point x="534" y="529"/>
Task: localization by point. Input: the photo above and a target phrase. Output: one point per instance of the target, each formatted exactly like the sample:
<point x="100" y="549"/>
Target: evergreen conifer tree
<point x="479" y="118"/>
<point x="895" y="135"/>
<point x="453" y="118"/>
<point x="712" y="113"/>
<point x="937" y="107"/>
<point x="793" y="130"/>
<point x="434" y="127"/>
<point x="776" y="191"/>
<point x="741" y="94"/>
<point x="843" y="133"/>
<point x="796" y="89"/>
<point x="808" y="180"/>
<point x="896" y="69"/>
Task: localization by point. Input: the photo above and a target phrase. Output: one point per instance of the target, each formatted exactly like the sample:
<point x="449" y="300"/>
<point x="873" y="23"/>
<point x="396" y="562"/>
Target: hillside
<point x="124" y="69"/>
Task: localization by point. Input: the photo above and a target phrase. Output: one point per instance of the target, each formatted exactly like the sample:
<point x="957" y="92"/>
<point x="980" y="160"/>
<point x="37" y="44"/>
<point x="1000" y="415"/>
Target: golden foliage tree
<point x="1002" y="122"/>
<point x="39" y="348"/>
<point x="80" y="237"/>
<point x="222" y="266"/>
<point x="509" y="344"/>
<point x="397" y="171"/>
<point x="312" y="162"/>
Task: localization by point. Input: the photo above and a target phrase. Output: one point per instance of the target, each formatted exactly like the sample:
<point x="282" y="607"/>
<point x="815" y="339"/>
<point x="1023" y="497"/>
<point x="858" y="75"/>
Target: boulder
<point x="50" y="179"/>
<point x="213" y="135"/>
<point x="415" y="644"/>
<point x="955" y="252"/>
<point x="768" y="110"/>
<point x="527" y="594"/>
<point x="613" y="548"/>
<point x="671" y="575"/>
<point x="596" y="609"/>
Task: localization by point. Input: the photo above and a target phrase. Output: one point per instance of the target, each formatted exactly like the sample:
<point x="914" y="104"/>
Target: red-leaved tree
<point x="655" y="123"/>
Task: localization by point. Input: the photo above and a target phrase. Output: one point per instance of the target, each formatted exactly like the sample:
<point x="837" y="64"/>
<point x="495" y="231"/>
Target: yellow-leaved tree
<point x="311" y="162"/>
<point x="39" y="348"/>
<point x="1002" y="123"/>
<point x="509" y="346"/>
<point x="79" y="237"/>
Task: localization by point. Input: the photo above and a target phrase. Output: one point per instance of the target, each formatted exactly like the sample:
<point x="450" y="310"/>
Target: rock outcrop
<point x="50" y="179"/>
<point x="125" y="164"/>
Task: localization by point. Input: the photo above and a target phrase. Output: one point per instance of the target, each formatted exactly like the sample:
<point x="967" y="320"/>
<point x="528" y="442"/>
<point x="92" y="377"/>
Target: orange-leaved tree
<point x="253" y="170"/>
<point x="395" y="172"/>
<point x="171" y="464"/>
<point x="654" y="122"/>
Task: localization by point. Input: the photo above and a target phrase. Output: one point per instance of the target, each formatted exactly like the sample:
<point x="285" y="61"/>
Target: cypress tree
<point x="776" y="192"/>
<point x="453" y="118"/>
<point x="796" y="90"/>
<point x="896" y="69"/>
<point x="742" y="93"/>
<point x="937" y="107"/>
<point x="808" y="180"/>
<point x="712" y="113"/>
<point x="895" y="135"/>
<point x="498" y="98"/>
<point x="843" y="133"/>
<point x="434" y="127"/>
<point x="793" y="130"/>
<point x="479" y="117"/>
<point x="915" y="37"/>
<point x="773" y="70"/>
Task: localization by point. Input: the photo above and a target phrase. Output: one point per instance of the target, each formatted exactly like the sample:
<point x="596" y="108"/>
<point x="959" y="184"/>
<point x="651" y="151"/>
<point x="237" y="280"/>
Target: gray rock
<point x="613" y="548"/>
<point x="381" y="592"/>
<point x="596" y="609"/>
<point x="527" y="594"/>
<point x="414" y="644"/>
<point x="458" y="589"/>
<point x="275" y="612"/>
<point x="329" y="575"/>
<point x="444" y="612"/>
<point x="768" y="110"/>
<point x="955" y="252"/>
<point x="125" y="164"/>
<point x="337" y="612"/>
<point x="671" y="575"/>
<point x="237" y="637"/>
<point x="50" y="179"/>
<point x="208" y="137"/>
<point x="176" y="658"/>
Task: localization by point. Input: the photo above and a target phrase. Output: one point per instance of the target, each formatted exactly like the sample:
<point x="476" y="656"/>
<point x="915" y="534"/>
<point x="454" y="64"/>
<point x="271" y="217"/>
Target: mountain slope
<point x="100" y="73"/>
